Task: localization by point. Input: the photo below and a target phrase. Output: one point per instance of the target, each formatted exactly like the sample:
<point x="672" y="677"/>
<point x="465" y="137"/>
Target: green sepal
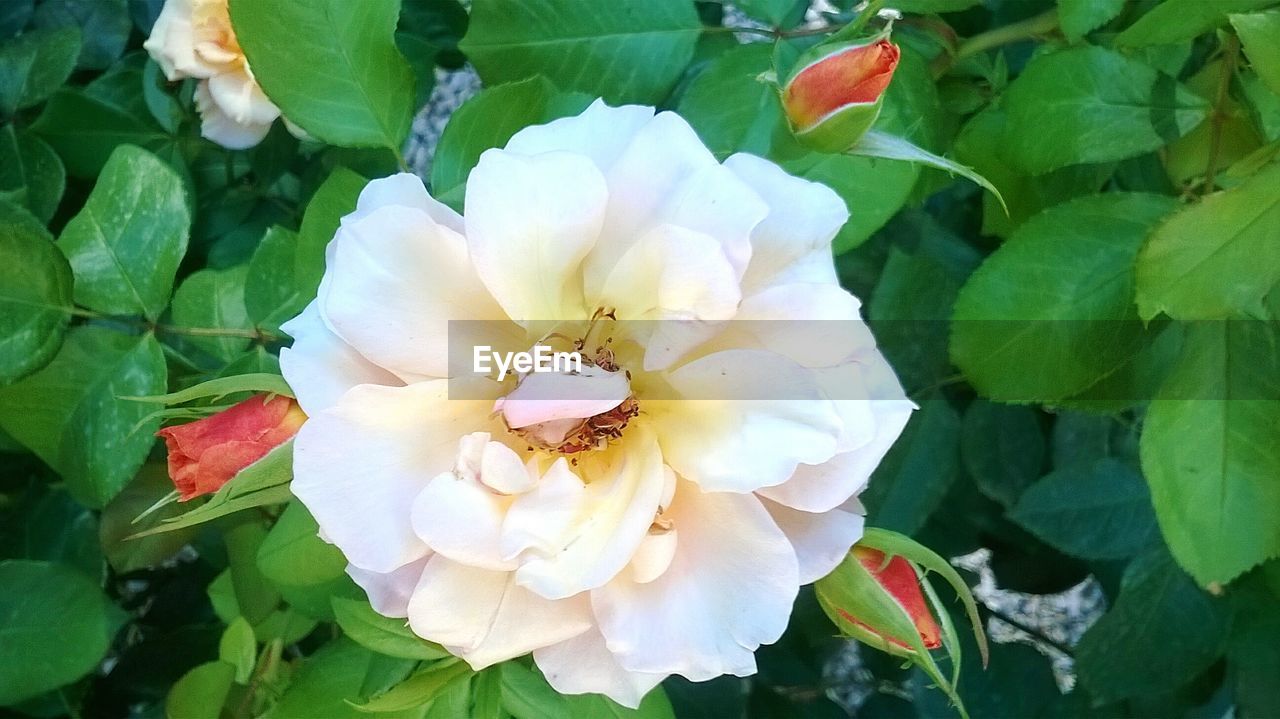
<point x="841" y="129"/>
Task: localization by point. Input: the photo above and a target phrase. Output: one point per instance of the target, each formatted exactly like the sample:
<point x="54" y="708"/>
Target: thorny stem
<point x="1230" y="58"/>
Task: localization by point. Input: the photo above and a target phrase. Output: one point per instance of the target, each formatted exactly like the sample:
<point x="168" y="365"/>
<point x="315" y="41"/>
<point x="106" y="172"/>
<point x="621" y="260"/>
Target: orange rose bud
<point x="207" y="453"/>
<point x="899" y="579"/>
<point x="835" y="97"/>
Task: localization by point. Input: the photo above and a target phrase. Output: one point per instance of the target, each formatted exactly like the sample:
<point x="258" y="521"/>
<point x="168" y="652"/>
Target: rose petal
<point x="530" y="221"/>
<point x="728" y="590"/>
<point x="793" y="242"/>
<point x="821" y="541"/>
<point x="750" y="418"/>
<point x="320" y="367"/>
<point x="359" y="465"/>
<point x="397" y="283"/>
<point x="389" y="592"/>
<point x="613" y="515"/>
<point x="483" y="617"/>
<point x="584" y="665"/>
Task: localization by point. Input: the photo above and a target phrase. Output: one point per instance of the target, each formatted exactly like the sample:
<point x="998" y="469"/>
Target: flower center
<point x="573" y="411"/>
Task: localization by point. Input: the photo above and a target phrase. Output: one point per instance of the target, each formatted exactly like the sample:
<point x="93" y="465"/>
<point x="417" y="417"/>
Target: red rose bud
<point x="207" y="453"/>
<point x="881" y="603"/>
<point x="835" y="96"/>
<point x="902" y="583"/>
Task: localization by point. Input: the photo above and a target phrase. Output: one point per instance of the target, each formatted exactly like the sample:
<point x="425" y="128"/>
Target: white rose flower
<point x="194" y="38"/>
<point x="619" y="533"/>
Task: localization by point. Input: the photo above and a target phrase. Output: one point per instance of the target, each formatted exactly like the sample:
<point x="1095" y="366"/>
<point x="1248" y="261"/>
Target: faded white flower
<point x="194" y="38"/>
<point x="618" y="532"/>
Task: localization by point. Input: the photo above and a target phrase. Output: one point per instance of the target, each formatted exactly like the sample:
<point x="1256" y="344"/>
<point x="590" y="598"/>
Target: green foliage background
<point x="1098" y="369"/>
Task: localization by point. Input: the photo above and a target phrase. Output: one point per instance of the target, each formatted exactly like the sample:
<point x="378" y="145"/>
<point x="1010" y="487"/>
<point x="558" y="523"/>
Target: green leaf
<point x="423" y="686"/>
<point x="48" y="525"/>
<point x="1002" y="448"/>
<point x="239" y="648"/>
<point x="1051" y="312"/>
<point x="216" y="389"/>
<point x="125" y="245"/>
<point x="34" y="65"/>
<point x="126" y="554"/>
<point x="911" y="305"/>
<point x="57" y="627"/>
<point x="1217" y="258"/>
<point x="339" y="675"/>
<point x="14" y="16"/>
<point x="655" y="705"/>
<point x="441" y="23"/>
<point x="490" y="119"/>
<point x="271" y="291"/>
<point x="1260" y="34"/>
<point x="1097" y="105"/>
<point x="284" y="624"/>
<point x="214" y="299"/>
<point x="729" y="107"/>
<point x="892" y="147"/>
<point x="623" y="51"/>
<point x="914" y="477"/>
<point x="305" y="569"/>
<point x="1097" y="511"/>
<point x="69" y="413"/>
<point x="35" y="294"/>
<point x="167" y="111"/>
<point x="31" y="172"/>
<point x="1078" y="18"/>
<point x="1209" y="451"/>
<point x="979" y="145"/>
<point x="527" y="695"/>
<point x="384" y="635"/>
<point x="1253" y="663"/>
<point x="777" y="13"/>
<point x="201" y="692"/>
<point x="335" y="198"/>
<point x="1176" y="20"/>
<point x="486" y="695"/>
<point x="340" y="77"/>
<point x="84" y="130"/>
<point x="105" y="26"/>
<point x="1160" y="633"/>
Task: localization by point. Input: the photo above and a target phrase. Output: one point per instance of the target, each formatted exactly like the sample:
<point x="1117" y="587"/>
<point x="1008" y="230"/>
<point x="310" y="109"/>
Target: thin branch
<point x="1033" y="27"/>
<point x="255" y="334"/>
<point x="1230" y="59"/>
<point x="252" y="334"/>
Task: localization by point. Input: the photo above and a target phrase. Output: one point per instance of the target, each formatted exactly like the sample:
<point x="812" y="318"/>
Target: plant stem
<point x="1031" y="27"/>
<point x="864" y="17"/>
<point x="252" y="334"/>
<point x="1219" y="117"/>
<point x="140" y="323"/>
